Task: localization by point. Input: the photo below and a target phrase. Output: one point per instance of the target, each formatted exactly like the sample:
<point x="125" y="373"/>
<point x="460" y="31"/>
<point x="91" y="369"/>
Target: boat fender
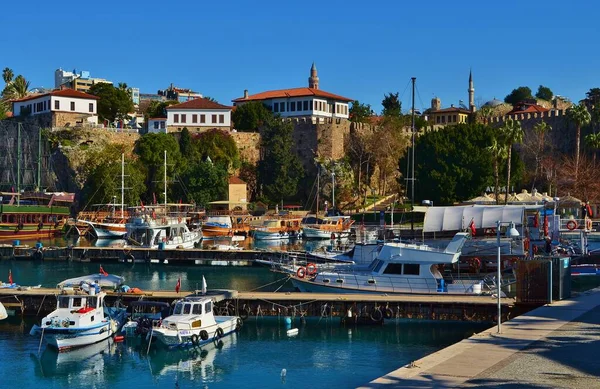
<point x="119" y="338"/>
<point x="301" y="272"/>
<point x="311" y="269"/>
<point x="388" y="313"/>
<point x="218" y="333"/>
<point x="203" y="335"/>
<point x="571" y="225"/>
<point x="376" y="315"/>
<point x="195" y="340"/>
<point x="244" y="313"/>
<point x="238" y="324"/>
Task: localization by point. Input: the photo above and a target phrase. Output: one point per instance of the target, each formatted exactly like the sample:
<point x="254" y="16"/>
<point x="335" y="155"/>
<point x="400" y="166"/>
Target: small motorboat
<point x="194" y="324"/>
<point x="143" y="315"/>
<point x="81" y="317"/>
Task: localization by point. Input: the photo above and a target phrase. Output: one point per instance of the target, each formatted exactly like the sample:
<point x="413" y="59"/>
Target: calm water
<point x="323" y="354"/>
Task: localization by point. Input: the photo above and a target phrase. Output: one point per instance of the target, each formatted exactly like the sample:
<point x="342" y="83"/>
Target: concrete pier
<point x="554" y="346"/>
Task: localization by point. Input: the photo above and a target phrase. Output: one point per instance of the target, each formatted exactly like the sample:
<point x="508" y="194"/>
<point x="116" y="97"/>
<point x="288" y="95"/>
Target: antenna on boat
<point x="412" y="194"/>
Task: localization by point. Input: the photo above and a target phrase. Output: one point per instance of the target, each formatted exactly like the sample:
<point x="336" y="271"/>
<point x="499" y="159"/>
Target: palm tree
<point x="17" y="89"/>
<point x="498" y="151"/>
<point x="593" y="141"/>
<point x="580" y="116"/>
<point x="123" y="86"/>
<point x="512" y="133"/>
<point x="540" y="129"/>
<point x="7" y="75"/>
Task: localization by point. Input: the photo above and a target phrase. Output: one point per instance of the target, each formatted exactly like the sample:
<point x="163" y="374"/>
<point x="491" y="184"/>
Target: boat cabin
<point x="191" y="313"/>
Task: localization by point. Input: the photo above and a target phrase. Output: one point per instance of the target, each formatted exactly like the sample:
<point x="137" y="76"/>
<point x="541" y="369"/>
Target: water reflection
<point x="86" y="361"/>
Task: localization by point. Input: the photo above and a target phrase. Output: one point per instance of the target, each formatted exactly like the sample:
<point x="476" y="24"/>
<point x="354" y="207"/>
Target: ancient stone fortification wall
<point x="248" y="144"/>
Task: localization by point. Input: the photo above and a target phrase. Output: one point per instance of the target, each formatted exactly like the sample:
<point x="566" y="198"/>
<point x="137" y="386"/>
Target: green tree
<point x="518" y="95"/>
<point x="512" y="133"/>
<point x="499" y="153"/>
<point x="114" y="103"/>
<point x="220" y="147"/>
<point x="3" y="110"/>
<point x="450" y="165"/>
<point x="360" y="113"/>
<point x="151" y="151"/>
<point x="593" y="142"/>
<point x="579" y="116"/>
<point x="102" y="170"/>
<point x="186" y="147"/>
<point x="280" y="170"/>
<point x="7" y="75"/>
<point x="17" y="89"/>
<point x="205" y="182"/>
<point x="211" y="99"/>
<point x="392" y="106"/>
<point x="544" y="93"/>
<point x="158" y="109"/>
<point x="250" y="116"/>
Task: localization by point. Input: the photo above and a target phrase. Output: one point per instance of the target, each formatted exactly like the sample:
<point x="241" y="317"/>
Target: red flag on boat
<point x="10" y="280"/>
<point x="103" y="272"/>
<point x="472" y="227"/>
<point x="178" y="285"/>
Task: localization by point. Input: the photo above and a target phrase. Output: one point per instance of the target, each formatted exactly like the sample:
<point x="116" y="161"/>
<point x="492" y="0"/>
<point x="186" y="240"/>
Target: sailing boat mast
<point x="39" y="161"/>
<point x="18" y="164"/>
<point x="412" y="194"/>
<point x="122" y="183"/>
<point x="165" y="183"/>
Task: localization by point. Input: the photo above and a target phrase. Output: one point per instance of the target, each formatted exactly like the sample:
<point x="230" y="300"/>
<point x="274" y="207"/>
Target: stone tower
<point x="436" y="104"/>
<point x="313" y="80"/>
<point x="471" y="93"/>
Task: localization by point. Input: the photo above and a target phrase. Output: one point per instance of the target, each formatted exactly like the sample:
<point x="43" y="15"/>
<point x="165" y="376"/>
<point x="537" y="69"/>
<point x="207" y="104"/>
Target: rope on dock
<point x="271" y="283"/>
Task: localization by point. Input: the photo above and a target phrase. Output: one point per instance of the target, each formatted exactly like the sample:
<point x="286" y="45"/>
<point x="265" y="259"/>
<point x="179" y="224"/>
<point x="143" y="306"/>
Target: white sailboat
<point x="164" y="230"/>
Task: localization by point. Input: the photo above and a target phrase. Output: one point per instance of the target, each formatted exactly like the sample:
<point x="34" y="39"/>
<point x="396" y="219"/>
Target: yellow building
<point x="448" y="116"/>
<point x="238" y="196"/>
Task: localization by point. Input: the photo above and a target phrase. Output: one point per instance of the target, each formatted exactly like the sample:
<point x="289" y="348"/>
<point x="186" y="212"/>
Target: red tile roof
<point x="527" y="108"/>
<point x="294" y="92"/>
<point x="235" y="180"/>
<point x="200" y="103"/>
<point x="452" y="109"/>
<point x="60" y="93"/>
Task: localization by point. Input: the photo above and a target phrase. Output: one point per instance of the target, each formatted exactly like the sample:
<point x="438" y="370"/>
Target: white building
<point x="197" y="115"/>
<point x="157" y="125"/>
<point x="75" y="107"/>
<point x="294" y="102"/>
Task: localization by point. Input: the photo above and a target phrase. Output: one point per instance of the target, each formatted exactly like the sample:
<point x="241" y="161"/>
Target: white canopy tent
<point x="458" y="218"/>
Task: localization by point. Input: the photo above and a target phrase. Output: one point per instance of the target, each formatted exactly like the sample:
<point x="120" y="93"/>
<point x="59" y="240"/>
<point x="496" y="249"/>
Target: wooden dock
<point x="41" y="301"/>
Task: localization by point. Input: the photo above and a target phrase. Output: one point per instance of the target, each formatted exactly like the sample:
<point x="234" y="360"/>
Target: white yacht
<point x="193" y="323"/>
<point x="167" y="232"/>
<point x="80" y="317"/>
<point x="398" y="268"/>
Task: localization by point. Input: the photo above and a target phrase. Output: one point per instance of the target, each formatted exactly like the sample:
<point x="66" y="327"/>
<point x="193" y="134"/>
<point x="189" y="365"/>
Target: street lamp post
<point x="512" y="233"/>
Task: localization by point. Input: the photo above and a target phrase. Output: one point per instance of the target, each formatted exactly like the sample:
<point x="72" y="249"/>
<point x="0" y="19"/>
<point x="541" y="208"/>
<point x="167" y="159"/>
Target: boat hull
<point x="316" y="233"/>
<point x="171" y="338"/>
<point x="109" y="230"/>
<point x="64" y="339"/>
<point x="267" y="235"/>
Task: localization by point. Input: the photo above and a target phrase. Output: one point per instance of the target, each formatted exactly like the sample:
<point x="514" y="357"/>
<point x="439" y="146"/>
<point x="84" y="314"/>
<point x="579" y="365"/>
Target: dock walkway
<point x="554" y="346"/>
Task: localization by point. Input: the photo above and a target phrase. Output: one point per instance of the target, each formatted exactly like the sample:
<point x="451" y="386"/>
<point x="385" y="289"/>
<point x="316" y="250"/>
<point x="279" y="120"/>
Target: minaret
<point x="313" y="80"/>
<point x="471" y="93"/>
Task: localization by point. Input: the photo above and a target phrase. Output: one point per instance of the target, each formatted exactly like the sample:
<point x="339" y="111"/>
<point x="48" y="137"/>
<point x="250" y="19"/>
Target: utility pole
<point x="412" y="195"/>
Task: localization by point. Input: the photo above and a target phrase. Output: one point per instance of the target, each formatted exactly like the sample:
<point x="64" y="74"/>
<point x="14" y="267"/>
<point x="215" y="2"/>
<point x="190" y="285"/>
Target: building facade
<point x="64" y="106"/>
<point x="157" y="125"/>
<point x="179" y="94"/>
<point x="81" y="81"/>
<point x="198" y="115"/>
<point x="302" y="102"/>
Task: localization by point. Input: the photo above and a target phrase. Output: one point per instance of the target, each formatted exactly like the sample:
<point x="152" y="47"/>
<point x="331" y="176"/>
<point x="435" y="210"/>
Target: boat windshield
<point x="178" y="309"/>
<point x="63" y="302"/>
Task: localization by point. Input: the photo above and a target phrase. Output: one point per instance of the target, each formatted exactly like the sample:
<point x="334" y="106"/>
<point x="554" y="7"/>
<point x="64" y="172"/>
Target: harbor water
<point x="323" y="353"/>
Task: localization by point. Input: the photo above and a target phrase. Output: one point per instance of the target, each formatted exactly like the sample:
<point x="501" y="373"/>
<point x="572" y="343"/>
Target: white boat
<point x="164" y="232"/>
<point x="327" y="228"/>
<point x="193" y="323"/>
<point x="80" y="317"/>
<point x="398" y="268"/>
<point x="3" y="313"/>
<point x="106" y="229"/>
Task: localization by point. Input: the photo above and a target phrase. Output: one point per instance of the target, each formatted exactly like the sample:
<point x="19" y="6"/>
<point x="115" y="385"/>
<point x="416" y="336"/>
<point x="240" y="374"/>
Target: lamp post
<point x="511" y="232"/>
<point x="333" y="191"/>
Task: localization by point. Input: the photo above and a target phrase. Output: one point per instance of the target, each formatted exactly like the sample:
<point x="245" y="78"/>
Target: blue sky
<point x="362" y="49"/>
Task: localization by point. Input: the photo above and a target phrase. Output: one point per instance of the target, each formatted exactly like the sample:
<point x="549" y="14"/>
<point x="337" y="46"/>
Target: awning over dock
<point x="458" y="218"/>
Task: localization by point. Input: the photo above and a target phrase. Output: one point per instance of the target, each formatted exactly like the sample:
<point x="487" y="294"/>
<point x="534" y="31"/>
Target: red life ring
<point x="475" y="263"/>
<point x="301" y="272"/>
<point x="311" y="269"/>
<point x="571" y="225"/>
